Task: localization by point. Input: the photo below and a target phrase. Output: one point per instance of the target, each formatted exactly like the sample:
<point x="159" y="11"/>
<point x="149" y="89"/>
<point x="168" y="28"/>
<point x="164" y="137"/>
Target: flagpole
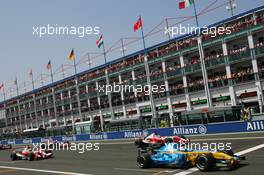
<point x="167" y="26"/>
<point x="4" y="93"/>
<point x="195" y="13"/>
<point x="142" y="35"/>
<point x="51" y="74"/>
<point x="104" y="52"/>
<point x="62" y="69"/>
<point x="77" y="87"/>
<point x="148" y="73"/>
<point x="89" y="60"/>
<point x="41" y="79"/>
<point x="32" y="81"/>
<point x="123" y="49"/>
<point x="75" y="69"/>
<point x="201" y="53"/>
<point x="17" y="87"/>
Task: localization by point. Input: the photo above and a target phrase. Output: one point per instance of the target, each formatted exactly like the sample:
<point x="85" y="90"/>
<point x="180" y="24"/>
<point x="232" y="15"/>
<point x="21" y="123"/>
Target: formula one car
<point x="5" y="146"/>
<point x="154" y="140"/>
<point x="171" y="156"/>
<point x="21" y="154"/>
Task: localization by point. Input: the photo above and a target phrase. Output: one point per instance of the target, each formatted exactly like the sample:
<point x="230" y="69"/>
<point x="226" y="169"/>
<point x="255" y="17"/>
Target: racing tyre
<point x="30" y="156"/>
<point x="168" y="140"/>
<point x="13" y="156"/>
<point x="205" y="162"/>
<point x="138" y="142"/>
<point x="144" y="161"/>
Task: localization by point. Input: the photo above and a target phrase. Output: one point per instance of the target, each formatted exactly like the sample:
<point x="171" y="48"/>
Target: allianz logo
<point x="98" y="136"/>
<point x="10" y="142"/>
<point x="27" y="141"/>
<point x="201" y="129"/>
<point x="131" y="134"/>
<point x="67" y="138"/>
<point x="255" y="126"/>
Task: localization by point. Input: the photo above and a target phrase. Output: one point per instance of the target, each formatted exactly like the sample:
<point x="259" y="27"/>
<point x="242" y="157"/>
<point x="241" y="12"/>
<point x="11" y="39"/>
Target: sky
<point x="21" y="50"/>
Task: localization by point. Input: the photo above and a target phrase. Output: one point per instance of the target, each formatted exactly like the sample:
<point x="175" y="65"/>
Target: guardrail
<point x="217" y="128"/>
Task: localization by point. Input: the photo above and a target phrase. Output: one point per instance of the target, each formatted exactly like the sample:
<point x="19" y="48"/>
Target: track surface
<point x="119" y="157"/>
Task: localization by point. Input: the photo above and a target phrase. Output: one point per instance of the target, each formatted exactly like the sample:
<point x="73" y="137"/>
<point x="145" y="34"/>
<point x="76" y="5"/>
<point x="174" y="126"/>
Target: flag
<point x="71" y="56"/>
<point x="30" y="73"/>
<point x="138" y="24"/>
<point x="49" y="65"/>
<point x="1" y="86"/>
<point x="100" y="41"/>
<point x="185" y="3"/>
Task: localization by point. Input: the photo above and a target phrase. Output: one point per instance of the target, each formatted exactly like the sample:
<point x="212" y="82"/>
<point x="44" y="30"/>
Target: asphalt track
<point x="119" y="157"/>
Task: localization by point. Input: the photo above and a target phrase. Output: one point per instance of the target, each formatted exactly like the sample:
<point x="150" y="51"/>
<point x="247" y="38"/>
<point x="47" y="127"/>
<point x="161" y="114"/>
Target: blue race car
<point x="171" y="155"/>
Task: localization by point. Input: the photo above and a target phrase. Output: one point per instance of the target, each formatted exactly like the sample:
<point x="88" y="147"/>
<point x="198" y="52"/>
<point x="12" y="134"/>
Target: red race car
<point x="28" y="154"/>
<point x="156" y="140"/>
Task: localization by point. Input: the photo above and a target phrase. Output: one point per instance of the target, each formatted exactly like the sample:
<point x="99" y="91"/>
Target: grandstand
<point x="232" y="81"/>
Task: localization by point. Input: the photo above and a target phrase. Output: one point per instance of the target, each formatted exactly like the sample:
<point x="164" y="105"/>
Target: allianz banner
<point x="217" y="128"/>
<point x="228" y="127"/>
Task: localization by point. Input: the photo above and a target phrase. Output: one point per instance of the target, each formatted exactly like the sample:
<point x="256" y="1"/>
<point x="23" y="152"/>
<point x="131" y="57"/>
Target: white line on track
<point x="135" y="170"/>
<point x="7" y="162"/>
<point x="42" y="171"/>
<point x="194" y="169"/>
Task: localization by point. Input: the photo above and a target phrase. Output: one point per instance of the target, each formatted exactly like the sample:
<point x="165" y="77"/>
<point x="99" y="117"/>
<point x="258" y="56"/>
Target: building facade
<point x="195" y="71"/>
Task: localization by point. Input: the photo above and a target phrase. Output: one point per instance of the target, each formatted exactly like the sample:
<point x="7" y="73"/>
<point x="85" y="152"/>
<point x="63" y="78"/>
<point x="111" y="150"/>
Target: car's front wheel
<point x="144" y="161"/>
<point x="205" y="162"/>
<point x="13" y="156"/>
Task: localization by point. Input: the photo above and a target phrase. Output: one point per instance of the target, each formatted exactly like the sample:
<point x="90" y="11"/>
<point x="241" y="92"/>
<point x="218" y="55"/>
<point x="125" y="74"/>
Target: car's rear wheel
<point x="205" y="162"/>
<point x="13" y="156"/>
<point x="144" y="161"/>
<point x="31" y="156"/>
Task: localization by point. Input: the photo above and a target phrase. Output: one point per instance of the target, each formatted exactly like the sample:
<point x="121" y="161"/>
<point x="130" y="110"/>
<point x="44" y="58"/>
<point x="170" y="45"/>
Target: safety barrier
<point x="217" y="128"/>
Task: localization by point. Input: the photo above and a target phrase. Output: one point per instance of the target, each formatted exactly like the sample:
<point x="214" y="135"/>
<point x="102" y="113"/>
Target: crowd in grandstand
<point x="238" y="50"/>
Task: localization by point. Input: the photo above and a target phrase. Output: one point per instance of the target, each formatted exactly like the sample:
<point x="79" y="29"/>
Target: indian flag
<point x="100" y="41"/>
<point x="185" y="3"/>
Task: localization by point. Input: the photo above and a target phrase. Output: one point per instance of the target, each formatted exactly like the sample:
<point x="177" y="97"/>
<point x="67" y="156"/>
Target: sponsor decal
<point x="96" y="136"/>
<point x="200" y="129"/>
<point x="74" y="138"/>
<point x="132" y="134"/>
<point x="10" y="142"/>
<point x="27" y="141"/>
<point x="105" y="136"/>
<point x="45" y="139"/>
<point x="65" y="138"/>
<point x="145" y="133"/>
<point x="255" y="126"/>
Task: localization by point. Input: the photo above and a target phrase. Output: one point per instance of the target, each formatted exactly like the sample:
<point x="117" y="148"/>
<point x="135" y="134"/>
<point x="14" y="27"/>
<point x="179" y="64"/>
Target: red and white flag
<point x="185" y="3"/>
<point x="138" y="24"/>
